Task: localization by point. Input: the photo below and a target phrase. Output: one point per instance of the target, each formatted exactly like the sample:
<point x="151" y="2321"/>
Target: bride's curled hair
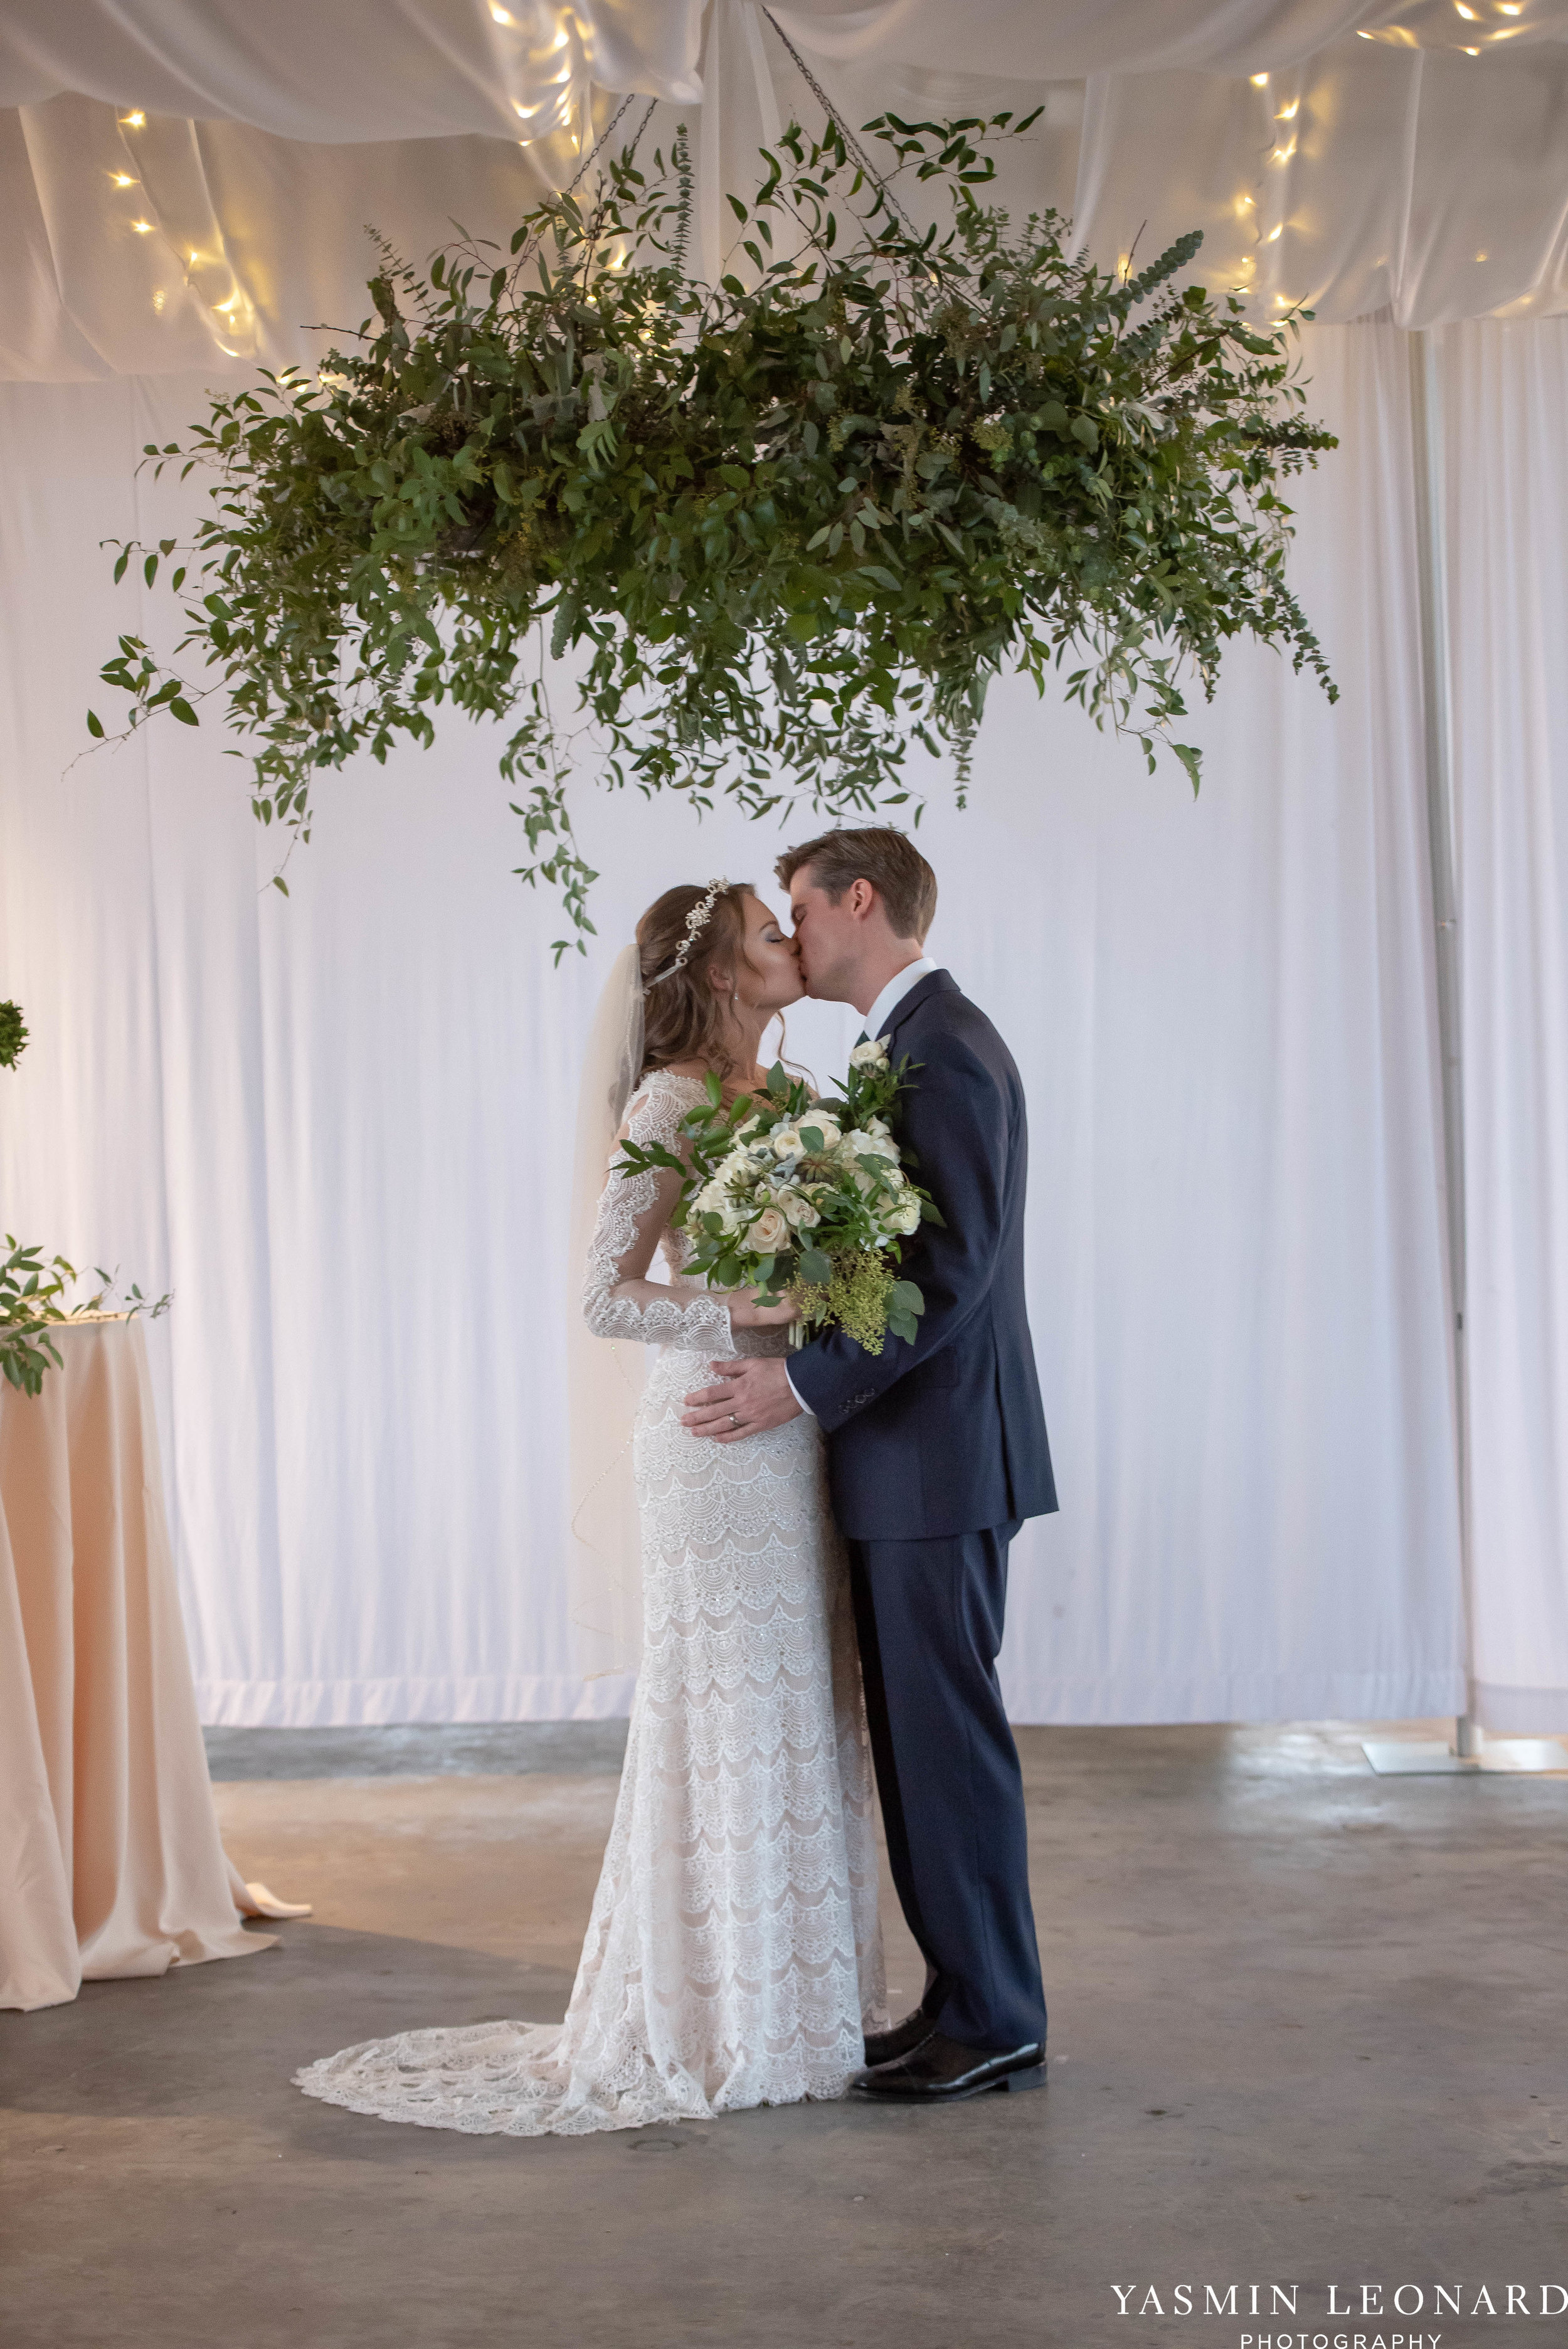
<point x="685" y="1016"/>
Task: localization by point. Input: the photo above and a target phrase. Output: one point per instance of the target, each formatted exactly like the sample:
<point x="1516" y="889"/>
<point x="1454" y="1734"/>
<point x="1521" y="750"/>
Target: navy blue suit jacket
<point x="946" y="1435"/>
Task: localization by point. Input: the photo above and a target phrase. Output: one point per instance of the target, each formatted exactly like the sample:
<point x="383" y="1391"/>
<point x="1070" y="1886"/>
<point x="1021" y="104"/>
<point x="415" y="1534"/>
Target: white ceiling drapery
<point x="186" y="182"/>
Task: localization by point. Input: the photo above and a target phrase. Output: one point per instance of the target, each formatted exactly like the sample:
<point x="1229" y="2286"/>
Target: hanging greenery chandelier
<point x="780" y="531"/>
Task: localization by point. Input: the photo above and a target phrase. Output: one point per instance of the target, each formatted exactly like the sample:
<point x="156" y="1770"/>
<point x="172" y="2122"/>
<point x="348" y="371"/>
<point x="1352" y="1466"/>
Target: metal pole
<point x="1426" y="423"/>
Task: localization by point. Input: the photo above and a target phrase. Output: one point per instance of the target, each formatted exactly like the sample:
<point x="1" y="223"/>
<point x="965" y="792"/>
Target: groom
<point x="937" y="1453"/>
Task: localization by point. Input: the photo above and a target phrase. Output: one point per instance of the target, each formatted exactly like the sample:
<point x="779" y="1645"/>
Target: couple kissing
<point x="824" y="1539"/>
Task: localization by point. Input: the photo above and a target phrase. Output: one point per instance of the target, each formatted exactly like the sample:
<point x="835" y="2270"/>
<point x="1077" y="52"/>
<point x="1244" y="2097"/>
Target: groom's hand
<point x="753" y="1394"/>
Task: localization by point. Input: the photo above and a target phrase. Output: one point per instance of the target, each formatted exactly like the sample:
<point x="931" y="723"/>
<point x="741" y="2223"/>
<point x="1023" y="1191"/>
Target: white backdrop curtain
<point x="1503" y="394"/>
<point x="339" y="1127"/>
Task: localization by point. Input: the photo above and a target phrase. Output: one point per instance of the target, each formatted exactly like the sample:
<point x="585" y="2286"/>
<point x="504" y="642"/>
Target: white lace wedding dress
<point x="733" y="1955"/>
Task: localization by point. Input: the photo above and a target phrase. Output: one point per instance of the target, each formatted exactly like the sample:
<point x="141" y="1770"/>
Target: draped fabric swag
<point x="180" y="194"/>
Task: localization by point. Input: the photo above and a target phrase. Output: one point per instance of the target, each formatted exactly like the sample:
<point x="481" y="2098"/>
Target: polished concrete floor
<point x="1309" y="2029"/>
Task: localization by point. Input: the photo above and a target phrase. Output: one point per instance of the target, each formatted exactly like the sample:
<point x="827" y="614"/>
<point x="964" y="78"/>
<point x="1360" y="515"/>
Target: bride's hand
<point x="746" y="1313"/>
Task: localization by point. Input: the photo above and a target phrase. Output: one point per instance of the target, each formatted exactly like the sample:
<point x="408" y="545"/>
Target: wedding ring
<point x="732" y="1420"/>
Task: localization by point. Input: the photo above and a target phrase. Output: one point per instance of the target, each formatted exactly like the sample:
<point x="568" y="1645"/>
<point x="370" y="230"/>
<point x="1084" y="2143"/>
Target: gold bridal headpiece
<point x="695" y="922"/>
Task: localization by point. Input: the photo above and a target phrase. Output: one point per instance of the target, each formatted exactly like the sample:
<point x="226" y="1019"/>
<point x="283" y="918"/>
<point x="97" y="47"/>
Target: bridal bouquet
<point x="803" y="1199"/>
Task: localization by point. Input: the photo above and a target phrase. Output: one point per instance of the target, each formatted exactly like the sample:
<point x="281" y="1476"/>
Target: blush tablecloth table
<point x="110" y="1860"/>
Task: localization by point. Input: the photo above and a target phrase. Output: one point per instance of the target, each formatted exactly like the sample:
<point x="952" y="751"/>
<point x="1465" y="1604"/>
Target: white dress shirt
<point x="895" y="991"/>
<point x="877" y="1017"/>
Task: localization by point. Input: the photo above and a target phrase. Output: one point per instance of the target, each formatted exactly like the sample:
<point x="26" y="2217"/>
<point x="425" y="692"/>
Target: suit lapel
<point x="936" y="982"/>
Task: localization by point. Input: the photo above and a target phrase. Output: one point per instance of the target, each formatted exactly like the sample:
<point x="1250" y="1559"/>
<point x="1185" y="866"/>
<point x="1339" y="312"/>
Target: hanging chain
<point x="852" y="147"/>
<point x="531" y="247"/>
<point x="607" y="133"/>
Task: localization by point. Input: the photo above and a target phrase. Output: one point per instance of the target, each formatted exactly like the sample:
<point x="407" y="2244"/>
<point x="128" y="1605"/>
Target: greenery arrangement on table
<point x="13" y="1035"/>
<point x="789" y="525"/>
<point x="802" y="1196"/>
<point x="31" y="1286"/>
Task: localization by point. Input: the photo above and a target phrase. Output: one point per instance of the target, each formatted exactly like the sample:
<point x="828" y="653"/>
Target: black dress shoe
<point x="900" y="2039"/>
<point x="939" y="2071"/>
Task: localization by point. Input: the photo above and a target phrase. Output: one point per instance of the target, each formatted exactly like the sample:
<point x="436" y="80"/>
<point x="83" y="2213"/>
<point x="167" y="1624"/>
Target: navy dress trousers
<point x="937" y="1453"/>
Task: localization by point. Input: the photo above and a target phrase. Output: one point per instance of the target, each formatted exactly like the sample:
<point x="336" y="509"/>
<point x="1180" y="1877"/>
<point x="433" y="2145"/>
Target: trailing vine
<point x="777" y="534"/>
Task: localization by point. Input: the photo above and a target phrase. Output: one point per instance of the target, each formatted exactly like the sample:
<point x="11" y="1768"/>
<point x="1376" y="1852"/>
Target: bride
<point x="733" y="1956"/>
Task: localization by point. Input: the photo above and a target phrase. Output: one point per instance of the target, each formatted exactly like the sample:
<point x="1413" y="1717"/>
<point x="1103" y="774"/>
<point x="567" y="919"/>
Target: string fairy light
<point x="230" y="314"/>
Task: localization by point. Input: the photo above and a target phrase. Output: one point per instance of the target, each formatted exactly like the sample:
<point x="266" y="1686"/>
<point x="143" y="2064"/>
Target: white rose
<point x="872" y="1054"/>
<point x="799" y="1209"/>
<point x="770" y="1232"/>
<point x="786" y="1142"/>
<point x="905" y="1217"/>
<point x="828" y="1128"/>
<point x="879" y="1129"/>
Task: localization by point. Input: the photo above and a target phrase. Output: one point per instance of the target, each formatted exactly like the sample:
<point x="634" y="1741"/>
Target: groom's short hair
<point x="888" y="860"/>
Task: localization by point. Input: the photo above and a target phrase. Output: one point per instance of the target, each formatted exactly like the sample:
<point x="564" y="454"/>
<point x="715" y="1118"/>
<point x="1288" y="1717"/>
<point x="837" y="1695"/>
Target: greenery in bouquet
<point x="789" y="524"/>
<point x="803" y="1198"/>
